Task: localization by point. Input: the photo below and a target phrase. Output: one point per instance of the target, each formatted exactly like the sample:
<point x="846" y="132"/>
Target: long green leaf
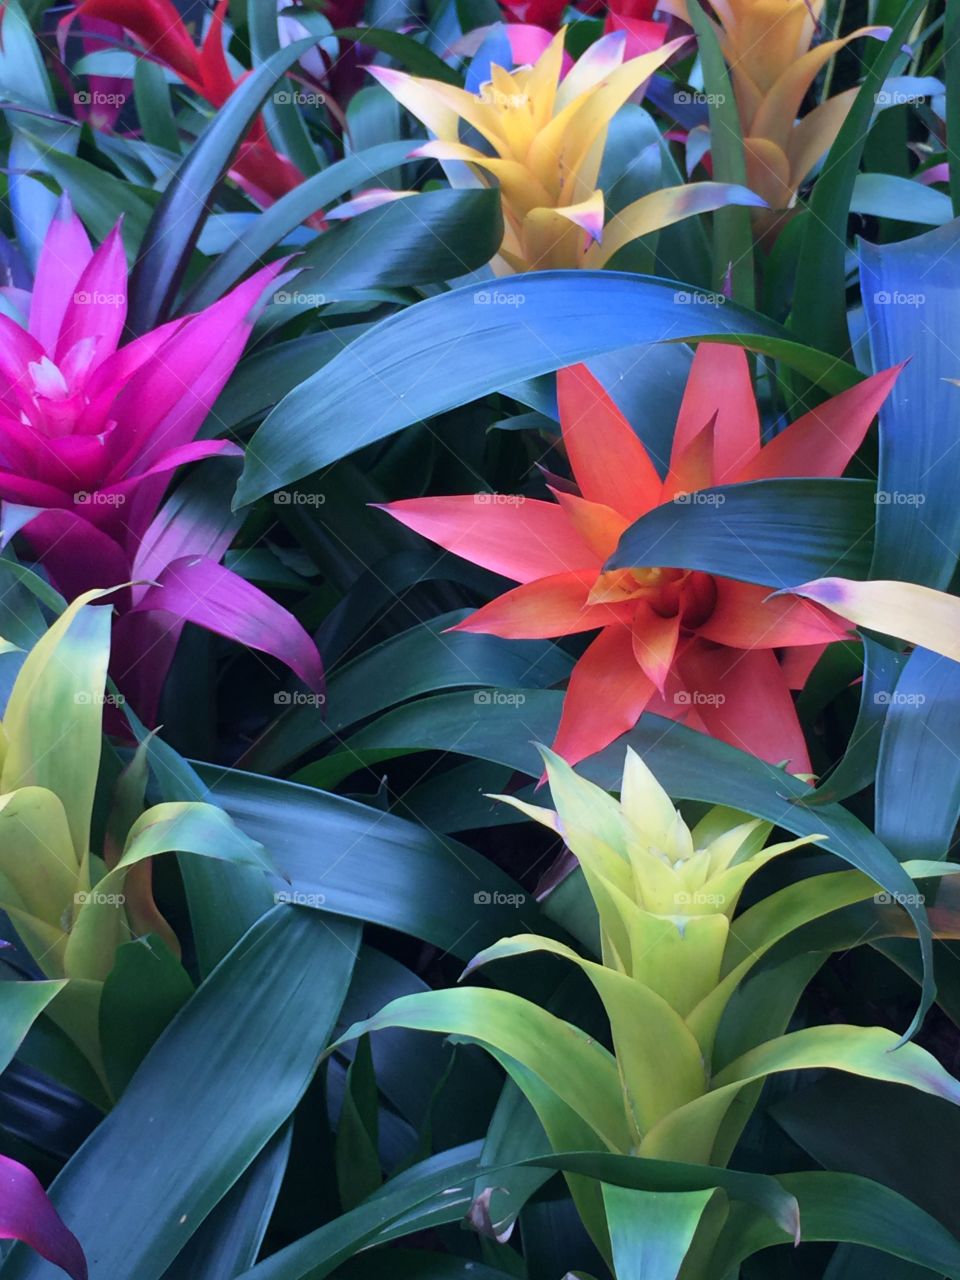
<point x="819" y="302"/>
<point x="177" y="221"/>
<point x="168" y="1153"/>
<point x="480" y="339"/>
<point x="271" y="226"/>
<point x="767" y="531"/>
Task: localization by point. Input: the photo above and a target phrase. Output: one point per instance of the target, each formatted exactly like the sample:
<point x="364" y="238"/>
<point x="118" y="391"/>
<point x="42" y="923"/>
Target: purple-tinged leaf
<point x="26" y="1214"/>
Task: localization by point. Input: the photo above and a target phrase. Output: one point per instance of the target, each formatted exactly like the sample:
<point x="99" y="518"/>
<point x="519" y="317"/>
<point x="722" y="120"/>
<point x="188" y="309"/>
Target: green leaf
<point x="168" y="1152"/>
<point x="21" y="1003"/>
<point x="419" y="239"/>
<point x="574" y="1073"/>
<point x="410" y="53"/>
<point x="274" y="224"/>
<point x="819" y="302"/>
<point x="361" y="863"/>
<point x="691" y="1131"/>
<point x="951" y="59"/>
<point x="918" y="770"/>
<point x="230" y="1237"/>
<point x="452" y="349"/>
<point x="766" y="531"/>
<point x="689" y="765"/>
<point x="910" y="298"/>
<point x="176" y="223"/>
<point x="286" y="128"/>
<point x="358" y="1164"/>
<point x="836" y="1206"/>
<point x="53" y="719"/>
<point x="421" y="659"/>
<point x="441" y="1190"/>
<point x="651" y="1231"/>
<point x="143" y="991"/>
<point x="733" y="232"/>
<point x="152" y="97"/>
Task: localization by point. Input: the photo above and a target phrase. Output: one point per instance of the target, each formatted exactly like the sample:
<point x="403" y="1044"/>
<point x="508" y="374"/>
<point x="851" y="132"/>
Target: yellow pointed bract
<point x="540" y="139"/>
<point x="768" y="46"/>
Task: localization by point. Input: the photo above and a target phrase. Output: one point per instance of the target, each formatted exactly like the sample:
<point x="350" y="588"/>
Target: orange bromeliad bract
<point x="718" y="654"/>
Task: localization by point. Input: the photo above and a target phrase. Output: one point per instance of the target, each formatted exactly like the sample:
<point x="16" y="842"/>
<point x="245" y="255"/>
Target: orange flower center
<point x="667" y="591"/>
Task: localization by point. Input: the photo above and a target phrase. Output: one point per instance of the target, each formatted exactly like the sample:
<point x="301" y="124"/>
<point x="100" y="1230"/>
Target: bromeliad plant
<point x="94" y="428"/>
<point x="686" y="1062"/>
<point x="72" y="895"/>
<point x="769" y="48"/>
<point x="688" y="645"/>
<point x="541" y="140"/>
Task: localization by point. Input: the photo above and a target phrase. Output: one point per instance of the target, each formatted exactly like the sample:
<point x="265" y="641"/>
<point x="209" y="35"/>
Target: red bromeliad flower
<point x="91" y="433"/>
<point x="715" y="653"/>
<point x="260" y="170"/>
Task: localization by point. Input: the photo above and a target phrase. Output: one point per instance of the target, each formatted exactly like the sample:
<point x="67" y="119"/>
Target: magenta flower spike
<point x="92" y="430"/>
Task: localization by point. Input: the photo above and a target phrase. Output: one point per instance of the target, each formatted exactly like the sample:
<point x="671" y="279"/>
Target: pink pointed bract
<point x="92" y="430"/>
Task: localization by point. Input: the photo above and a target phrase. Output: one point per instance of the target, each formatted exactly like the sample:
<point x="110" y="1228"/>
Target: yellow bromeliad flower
<point x="542" y="140"/>
<point x="767" y="45"/>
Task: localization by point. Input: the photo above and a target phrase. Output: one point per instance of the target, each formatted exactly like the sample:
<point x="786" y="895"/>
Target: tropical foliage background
<point x="479" y="639"/>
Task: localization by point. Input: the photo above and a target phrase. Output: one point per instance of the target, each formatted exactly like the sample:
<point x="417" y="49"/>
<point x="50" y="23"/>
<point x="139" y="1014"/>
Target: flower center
<point x="667" y="591"/>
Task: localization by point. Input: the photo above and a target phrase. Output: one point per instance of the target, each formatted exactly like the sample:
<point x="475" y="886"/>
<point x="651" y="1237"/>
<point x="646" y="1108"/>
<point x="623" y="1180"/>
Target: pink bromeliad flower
<point x="92" y="430"/>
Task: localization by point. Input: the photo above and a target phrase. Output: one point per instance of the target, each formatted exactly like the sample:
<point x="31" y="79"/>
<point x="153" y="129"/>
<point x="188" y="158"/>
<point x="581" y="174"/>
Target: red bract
<point x="702" y="649"/>
<point x="90" y="435"/>
<point x="263" y="173"/>
<point x="635" y="17"/>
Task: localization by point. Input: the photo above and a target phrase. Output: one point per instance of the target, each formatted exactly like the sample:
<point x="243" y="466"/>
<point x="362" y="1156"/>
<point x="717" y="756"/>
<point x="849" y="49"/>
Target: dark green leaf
<point x="177" y="221"/>
<point x="774" y="532"/>
<point x="452" y="349"/>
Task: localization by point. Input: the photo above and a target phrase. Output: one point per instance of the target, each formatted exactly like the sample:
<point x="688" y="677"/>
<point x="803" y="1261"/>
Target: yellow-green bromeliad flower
<point x="72" y="904"/>
<point x="540" y="137"/>
<point x="679" y="1084"/>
